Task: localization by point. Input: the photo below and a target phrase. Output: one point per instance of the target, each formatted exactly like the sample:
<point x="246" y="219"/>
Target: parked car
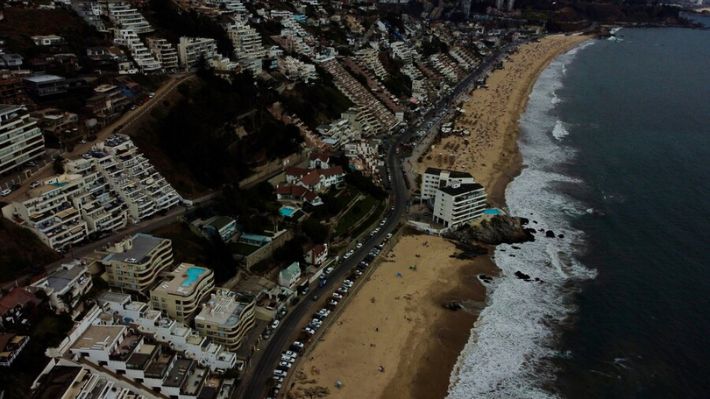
<point x="297" y="344"/>
<point x="35" y="184"/>
<point x="359" y="245"/>
<point x="337" y="296"/>
<point x="5" y="192"/>
<point x="285" y="365"/>
<point x="309" y="331"/>
<point x="290" y="354"/>
<point x="333" y="303"/>
<point x="274" y="324"/>
<point x="328" y="270"/>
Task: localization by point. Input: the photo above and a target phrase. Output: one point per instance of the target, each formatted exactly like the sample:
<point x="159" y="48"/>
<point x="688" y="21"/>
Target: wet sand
<point x="399" y="323"/>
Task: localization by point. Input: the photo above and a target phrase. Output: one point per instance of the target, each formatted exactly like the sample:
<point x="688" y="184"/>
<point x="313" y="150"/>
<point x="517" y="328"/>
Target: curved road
<point x="257" y="379"/>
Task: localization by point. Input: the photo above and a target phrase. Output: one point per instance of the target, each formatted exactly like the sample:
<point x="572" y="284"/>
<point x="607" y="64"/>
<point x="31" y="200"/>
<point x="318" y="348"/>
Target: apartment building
<point x="463" y="57"/>
<point x="110" y="186"/>
<point x="295" y="69"/>
<point x="135" y="262"/>
<point x="247" y="46"/>
<point x="50" y="213"/>
<point x="43" y="85"/>
<point x="59" y="123"/>
<point x="226" y="318"/>
<point x="368" y="105"/>
<point x="192" y="49"/>
<point x="141" y="55"/>
<point x="370" y="58"/>
<point x="402" y="51"/>
<point x="434" y="179"/>
<point x="458" y="203"/>
<point x="364" y="157"/>
<point x="126" y="17"/>
<point x="107" y="103"/>
<point x="65" y="286"/>
<point x="445" y="66"/>
<point x="168" y="331"/>
<point x="20" y="138"/>
<point x="64" y="378"/>
<point x="154" y="369"/>
<point x="181" y="292"/>
<point x="164" y="52"/>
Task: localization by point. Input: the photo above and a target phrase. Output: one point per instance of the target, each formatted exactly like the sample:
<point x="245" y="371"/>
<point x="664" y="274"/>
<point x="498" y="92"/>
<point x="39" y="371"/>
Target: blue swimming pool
<point x="287" y="211"/>
<point x="193" y="274"/>
<point x="492" y="211"/>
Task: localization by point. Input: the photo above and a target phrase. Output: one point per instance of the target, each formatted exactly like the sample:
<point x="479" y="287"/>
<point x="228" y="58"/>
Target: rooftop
<point x="461" y="189"/>
<point x="452" y="173"/>
<point x="98" y="337"/>
<point x="134" y="249"/>
<point x="224" y="308"/>
<point x="44" y="78"/>
<point x="61" y="278"/>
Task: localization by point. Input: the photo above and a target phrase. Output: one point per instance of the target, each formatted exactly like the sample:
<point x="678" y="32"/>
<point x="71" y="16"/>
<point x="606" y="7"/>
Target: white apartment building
<point x="164" y="52"/>
<point x="154" y="369"/>
<point x="140" y="53"/>
<point x="135" y="263"/>
<point x="370" y="58"/>
<point x="247" y="46"/>
<point x="110" y="186"/>
<point x="181" y="292"/>
<point x="166" y="330"/>
<point x="434" y="179"/>
<point x="442" y="65"/>
<point x="402" y="51"/>
<point x="464" y="58"/>
<point x="226" y="318"/>
<point x="457" y="198"/>
<point x="50" y="213"/>
<point x="20" y="139"/>
<point x="192" y="49"/>
<point x="295" y="69"/>
<point x="65" y="286"/>
<point x="126" y="17"/>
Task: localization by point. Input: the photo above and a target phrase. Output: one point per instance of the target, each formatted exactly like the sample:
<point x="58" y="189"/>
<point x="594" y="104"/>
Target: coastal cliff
<point x="494" y="231"/>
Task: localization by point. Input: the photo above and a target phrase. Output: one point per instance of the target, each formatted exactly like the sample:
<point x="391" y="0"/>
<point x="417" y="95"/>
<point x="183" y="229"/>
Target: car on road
<point x="358" y="273"/>
<point x="5" y="192"/>
<point x="333" y="303"/>
<point x="324" y="312"/>
<point x="328" y="270"/>
<point x="298" y="345"/>
<point x="285" y="365"/>
<point x="337" y="296"/>
<point x="274" y="324"/>
<point x="309" y="331"/>
<point x="388" y="236"/>
<point x="342" y="290"/>
<point x="285" y="358"/>
<point x="290" y="354"/>
<point x="348" y="283"/>
<point x="279" y="373"/>
<point x="348" y="254"/>
<point x="359" y="245"/>
<point x="35" y="184"/>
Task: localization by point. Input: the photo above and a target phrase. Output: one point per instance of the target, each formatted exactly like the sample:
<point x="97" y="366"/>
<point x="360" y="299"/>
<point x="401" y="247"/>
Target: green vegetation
<point x="317" y="103"/>
<point x="355" y="214"/>
<point x="196" y="137"/>
<point x="48" y="331"/>
<point x="255" y="208"/>
<point x="22" y="252"/>
<point x="397" y="82"/>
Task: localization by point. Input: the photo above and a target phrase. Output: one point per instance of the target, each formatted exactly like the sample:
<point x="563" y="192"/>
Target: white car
<point x="359" y="245"/>
<point x="274" y="324"/>
<point x="285" y="358"/>
<point x="298" y="344"/>
<point x="290" y="354"/>
<point x="285" y="365"/>
<point x="337" y="296"/>
<point x="388" y="236"/>
<point x="5" y="192"/>
<point x="309" y="331"/>
<point x="333" y="302"/>
<point x="348" y="283"/>
<point x="328" y="270"/>
<point x="35" y="184"/>
<point x="279" y="373"/>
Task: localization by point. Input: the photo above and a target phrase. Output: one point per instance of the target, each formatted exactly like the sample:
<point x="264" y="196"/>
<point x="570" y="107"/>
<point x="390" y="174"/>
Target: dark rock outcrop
<point x="522" y="275"/>
<point x="497" y="230"/>
<point x="550" y="234"/>
<point x="453" y="305"/>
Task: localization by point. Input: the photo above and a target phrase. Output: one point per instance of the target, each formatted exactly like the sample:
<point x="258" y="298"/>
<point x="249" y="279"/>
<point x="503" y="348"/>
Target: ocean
<point x="615" y="141"/>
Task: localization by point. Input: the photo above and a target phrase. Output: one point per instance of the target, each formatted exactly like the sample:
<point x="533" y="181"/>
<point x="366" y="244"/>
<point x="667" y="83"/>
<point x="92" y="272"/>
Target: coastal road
<point x="257" y="377"/>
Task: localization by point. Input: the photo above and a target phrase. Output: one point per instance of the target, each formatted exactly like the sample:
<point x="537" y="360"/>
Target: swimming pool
<point x="287" y="211"/>
<point x="492" y="211"/>
<point x="193" y="274"/>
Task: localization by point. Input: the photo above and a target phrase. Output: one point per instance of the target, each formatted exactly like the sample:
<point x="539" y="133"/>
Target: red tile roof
<point x="18" y="296"/>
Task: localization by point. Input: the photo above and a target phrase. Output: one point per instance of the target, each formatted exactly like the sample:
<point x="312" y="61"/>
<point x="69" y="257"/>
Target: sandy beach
<point x="398" y="323"/>
<point x="491" y="115"/>
<point x="394" y="339"/>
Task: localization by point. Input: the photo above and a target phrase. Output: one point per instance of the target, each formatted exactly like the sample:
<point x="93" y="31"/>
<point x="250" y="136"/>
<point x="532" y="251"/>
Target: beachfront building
<point x="193" y="49"/>
<point x="458" y="203"/>
<point x="226" y="318"/>
<point x="183" y="289"/>
<point x="135" y="262"/>
<point x="247" y="46"/>
<point x="20" y="139"/>
<point x="290" y="275"/>
<point x="434" y="179"/>
<point x="65" y="286"/>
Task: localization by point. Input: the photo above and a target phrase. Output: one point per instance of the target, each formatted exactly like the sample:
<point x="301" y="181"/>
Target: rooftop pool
<point x="193" y="274"/>
<point x="492" y="211"/>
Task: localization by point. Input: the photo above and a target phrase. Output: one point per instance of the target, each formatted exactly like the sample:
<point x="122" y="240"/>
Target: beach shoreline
<point x="397" y="322"/>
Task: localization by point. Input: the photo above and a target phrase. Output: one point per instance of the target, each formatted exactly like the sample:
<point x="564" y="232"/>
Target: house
<point x="289" y="275"/>
<point x="43" y="85"/>
<point x="65" y="286"/>
<point x="222" y="226"/>
<point x="317" y="255"/>
<point x="292" y="192"/>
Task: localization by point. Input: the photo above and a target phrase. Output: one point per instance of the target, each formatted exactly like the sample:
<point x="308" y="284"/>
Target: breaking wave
<point x="512" y="345"/>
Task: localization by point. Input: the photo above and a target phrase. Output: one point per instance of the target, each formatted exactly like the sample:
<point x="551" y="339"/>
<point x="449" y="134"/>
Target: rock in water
<point x="522" y="275"/>
<point x="550" y="234"/>
<point x="497" y="230"/>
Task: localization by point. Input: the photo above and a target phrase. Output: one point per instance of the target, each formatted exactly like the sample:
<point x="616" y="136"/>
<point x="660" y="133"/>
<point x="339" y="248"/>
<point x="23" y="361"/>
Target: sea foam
<point x="513" y="342"/>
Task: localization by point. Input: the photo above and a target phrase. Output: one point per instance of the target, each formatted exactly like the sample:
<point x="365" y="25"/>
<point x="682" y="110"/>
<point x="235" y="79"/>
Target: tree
<point x="58" y="165"/>
<point x="315" y="231"/>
